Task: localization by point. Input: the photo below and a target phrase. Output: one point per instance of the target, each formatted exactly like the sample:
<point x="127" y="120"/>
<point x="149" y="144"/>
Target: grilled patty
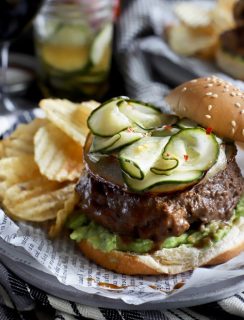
<point x="156" y="217"/>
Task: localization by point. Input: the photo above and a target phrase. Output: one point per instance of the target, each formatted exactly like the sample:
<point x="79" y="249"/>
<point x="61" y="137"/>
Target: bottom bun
<point x="169" y="261"/>
<point x="231" y="64"/>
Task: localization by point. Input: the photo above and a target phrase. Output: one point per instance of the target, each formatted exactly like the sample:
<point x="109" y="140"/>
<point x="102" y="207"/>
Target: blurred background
<point x="79" y="49"/>
<point x="56" y="47"/>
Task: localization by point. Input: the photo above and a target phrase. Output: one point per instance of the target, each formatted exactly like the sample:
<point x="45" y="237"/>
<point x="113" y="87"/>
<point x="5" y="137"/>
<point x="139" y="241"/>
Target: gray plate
<point x="190" y="297"/>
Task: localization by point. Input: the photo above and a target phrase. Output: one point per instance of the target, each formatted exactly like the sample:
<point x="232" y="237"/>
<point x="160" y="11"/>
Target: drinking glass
<point x="15" y="15"/>
<point x="74" y="46"/>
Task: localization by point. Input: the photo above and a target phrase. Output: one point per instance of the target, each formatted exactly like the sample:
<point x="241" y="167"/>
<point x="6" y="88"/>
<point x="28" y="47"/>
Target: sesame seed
<point x="208" y="116"/>
<point x="184" y="89"/>
<point x="209" y="93"/>
<point x="226" y="86"/>
<point x="242" y="112"/>
<point x="232" y="94"/>
<point x="210" y="107"/>
<point x="243" y="132"/>
<point x="233" y="123"/>
<point x="237" y="105"/>
<point x="225" y="90"/>
<point x="214" y="95"/>
<point x="233" y="130"/>
<point x="209" y="78"/>
<point x="193" y="81"/>
<point x="239" y="94"/>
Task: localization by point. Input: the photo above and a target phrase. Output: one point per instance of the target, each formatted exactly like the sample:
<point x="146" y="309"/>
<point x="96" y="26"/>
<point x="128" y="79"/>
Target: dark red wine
<point x="15" y="16"/>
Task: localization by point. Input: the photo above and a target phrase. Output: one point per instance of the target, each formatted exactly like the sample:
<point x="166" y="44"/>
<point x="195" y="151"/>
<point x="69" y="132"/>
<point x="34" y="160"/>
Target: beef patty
<point x="155" y="217"/>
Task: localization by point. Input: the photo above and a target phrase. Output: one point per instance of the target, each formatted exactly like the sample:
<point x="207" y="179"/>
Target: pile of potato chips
<point x="199" y="28"/>
<point x="41" y="162"/>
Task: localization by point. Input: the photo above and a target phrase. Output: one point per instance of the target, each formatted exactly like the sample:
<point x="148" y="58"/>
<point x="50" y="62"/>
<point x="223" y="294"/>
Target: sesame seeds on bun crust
<point x="213" y="103"/>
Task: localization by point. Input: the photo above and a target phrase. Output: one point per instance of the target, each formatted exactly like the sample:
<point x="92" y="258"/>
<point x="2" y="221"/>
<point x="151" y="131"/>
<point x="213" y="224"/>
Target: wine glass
<point x="15" y="15"/>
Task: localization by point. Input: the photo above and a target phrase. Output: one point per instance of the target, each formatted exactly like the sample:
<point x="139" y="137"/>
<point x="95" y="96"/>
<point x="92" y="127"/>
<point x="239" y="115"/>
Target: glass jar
<point x="74" y="46"/>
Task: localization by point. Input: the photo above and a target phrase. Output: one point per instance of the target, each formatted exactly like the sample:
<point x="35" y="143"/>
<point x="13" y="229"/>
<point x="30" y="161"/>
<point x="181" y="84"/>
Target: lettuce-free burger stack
<point x="162" y="194"/>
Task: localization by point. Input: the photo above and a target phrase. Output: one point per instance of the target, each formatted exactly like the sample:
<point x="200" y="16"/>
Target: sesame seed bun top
<point x="213" y="103"/>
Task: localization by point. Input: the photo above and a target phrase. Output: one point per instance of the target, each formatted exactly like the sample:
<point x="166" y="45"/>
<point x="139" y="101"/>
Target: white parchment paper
<point x="61" y="259"/>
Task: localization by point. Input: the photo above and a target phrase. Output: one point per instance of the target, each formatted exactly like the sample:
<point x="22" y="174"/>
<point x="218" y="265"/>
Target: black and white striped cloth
<point x="135" y="63"/>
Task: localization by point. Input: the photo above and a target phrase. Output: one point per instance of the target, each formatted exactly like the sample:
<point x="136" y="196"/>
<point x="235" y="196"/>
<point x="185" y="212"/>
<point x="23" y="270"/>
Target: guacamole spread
<point x="103" y="239"/>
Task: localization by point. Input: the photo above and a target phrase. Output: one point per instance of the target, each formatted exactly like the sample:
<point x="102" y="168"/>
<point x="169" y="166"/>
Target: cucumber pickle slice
<point x="107" y="120"/>
<point x="137" y="159"/>
<point x="115" y="142"/>
<point x="186" y="123"/>
<point x="164" y="183"/>
<point x="126" y="138"/>
<point x="157" y="152"/>
<point x="101" y="48"/>
<point x="165" y="132"/>
<point x="165" y="165"/>
<point x="100" y="143"/>
<point x="181" y="158"/>
<point x="143" y="115"/>
<point x="194" y="149"/>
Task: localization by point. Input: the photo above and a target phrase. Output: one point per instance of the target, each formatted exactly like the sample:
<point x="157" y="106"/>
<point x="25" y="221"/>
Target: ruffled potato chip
<point x="13" y="170"/>
<point x="43" y="188"/>
<point x="58" y="157"/>
<point x="69" y="117"/>
<point x="29" y="196"/>
<point x="36" y="200"/>
<point x="62" y="216"/>
<point x="186" y="41"/>
<point x="20" y="142"/>
<point x="1" y="150"/>
<point x="188" y="13"/>
<point x="222" y="15"/>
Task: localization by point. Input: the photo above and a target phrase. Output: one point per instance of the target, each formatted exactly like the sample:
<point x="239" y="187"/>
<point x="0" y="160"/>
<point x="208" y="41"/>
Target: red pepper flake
<point x="168" y="127"/>
<point x="209" y="130"/>
<point x="186" y="157"/>
<point x="130" y="129"/>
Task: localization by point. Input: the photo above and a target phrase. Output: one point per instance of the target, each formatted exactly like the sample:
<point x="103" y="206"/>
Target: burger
<point x="163" y="194"/>
<point x="230" y="53"/>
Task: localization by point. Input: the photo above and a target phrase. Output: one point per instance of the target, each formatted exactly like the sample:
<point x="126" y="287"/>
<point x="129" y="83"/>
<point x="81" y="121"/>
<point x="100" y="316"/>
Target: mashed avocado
<point x="103" y="239"/>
